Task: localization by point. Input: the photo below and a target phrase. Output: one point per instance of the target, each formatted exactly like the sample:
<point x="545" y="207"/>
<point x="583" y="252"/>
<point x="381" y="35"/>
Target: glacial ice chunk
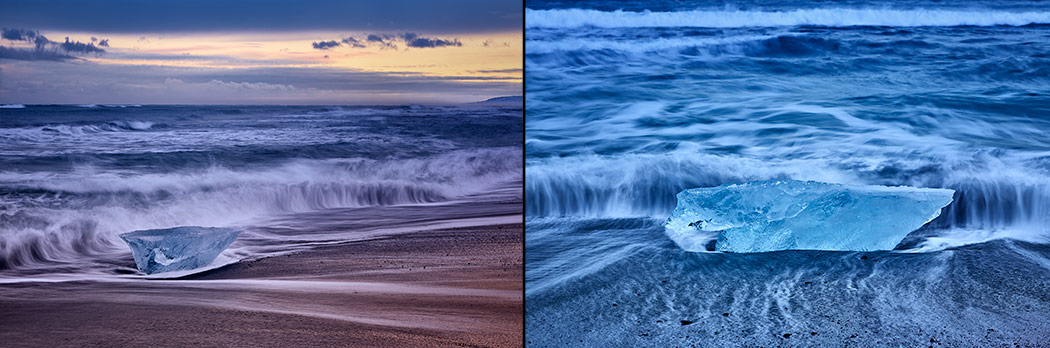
<point x="179" y="248"/>
<point x="782" y="215"/>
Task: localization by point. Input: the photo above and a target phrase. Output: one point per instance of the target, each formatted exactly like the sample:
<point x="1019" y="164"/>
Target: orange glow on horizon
<point x="501" y="59"/>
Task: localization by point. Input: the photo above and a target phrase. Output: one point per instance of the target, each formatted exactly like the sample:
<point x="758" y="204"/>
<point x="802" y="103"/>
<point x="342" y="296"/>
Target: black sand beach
<point x="449" y="287"/>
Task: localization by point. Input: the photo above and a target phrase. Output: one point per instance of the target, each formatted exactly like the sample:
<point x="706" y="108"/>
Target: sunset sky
<point x="259" y="52"/>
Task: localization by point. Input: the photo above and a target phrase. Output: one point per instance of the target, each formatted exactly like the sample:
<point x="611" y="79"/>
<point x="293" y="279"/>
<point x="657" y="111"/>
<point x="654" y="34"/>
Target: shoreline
<point x="449" y="287"/>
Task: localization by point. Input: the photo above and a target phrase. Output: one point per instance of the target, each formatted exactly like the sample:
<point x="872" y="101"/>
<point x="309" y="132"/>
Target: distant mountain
<point x="508" y="100"/>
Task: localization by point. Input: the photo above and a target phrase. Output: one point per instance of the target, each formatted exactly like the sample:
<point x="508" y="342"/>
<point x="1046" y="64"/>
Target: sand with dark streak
<point x="451" y="287"/>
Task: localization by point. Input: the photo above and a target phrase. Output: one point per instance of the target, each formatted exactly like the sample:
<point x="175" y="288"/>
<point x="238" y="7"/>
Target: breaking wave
<point x="985" y="207"/>
<point x="839" y="17"/>
<point x="92" y="106"/>
<point x="114" y="126"/>
<point x="539" y="47"/>
<point x="57" y="218"/>
<point x="646" y="185"/>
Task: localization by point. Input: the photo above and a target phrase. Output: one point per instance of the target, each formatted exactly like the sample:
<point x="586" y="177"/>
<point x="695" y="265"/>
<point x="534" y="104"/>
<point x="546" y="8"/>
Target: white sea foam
<point x="121" y="106"/>
<point x="105" y="203"/>
<point x="541" y="47"/>
<point x="12" y="106"/>
<point x="965" y="236"/>
<point x="67" y="130"/>
<point x="832" y="17"/>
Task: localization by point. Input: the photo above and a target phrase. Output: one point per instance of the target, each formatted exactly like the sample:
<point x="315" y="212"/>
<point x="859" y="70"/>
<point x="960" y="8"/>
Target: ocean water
<point x="628" y="103"/>
<point x="74" y="177"/>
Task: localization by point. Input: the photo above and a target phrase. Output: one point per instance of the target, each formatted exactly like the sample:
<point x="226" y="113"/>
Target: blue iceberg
<point x="179" y="248"/>
<point x="784" y="215"/>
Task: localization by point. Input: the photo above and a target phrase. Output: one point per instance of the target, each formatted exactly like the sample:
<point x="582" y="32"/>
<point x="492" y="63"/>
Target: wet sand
<point x="450" y="287"/>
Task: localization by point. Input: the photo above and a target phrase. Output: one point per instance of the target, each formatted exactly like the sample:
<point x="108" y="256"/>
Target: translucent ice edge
<point x="179" y="248"/>
<point x="766" y="216"/>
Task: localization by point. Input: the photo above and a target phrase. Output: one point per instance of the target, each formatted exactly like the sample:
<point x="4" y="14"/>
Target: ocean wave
<point x="784" y="45"/>
<point x="542" y="47"/>
<point x="113" y="126"/>
<point x="67" y="218"/>
<point x="988" y="204"/>
<point x="121" y="106"/>
<point x="832" y="17"/>
<point x="643" y="185"/>
<point x="12" y="106"/>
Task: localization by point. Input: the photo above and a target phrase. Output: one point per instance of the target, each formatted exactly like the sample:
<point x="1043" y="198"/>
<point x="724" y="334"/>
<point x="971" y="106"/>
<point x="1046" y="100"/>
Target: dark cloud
<point x="324" y="45"/>
<point x="44" y="49"/>
<point x="490" y="43"/>
<point x="42" y="41"/>
<point x="19" y="35"/>
<point x="103" y="42"/>
<point x="128" y="16"/>
<point x="80" y="47"/>
<point x="352" y="42"/>
<point x="385" y="41"/>
<point x="425" y="42"/>
<point x="32" y="54"/>
<point x="413" y="40"/>
<point x="26" y="35"/>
